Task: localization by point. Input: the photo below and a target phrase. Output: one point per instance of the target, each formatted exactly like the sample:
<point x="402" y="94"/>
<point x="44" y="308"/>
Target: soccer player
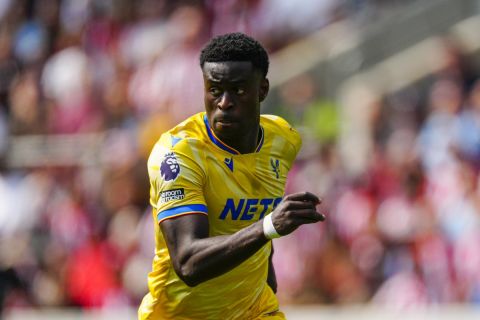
<point x="217" y="191"/>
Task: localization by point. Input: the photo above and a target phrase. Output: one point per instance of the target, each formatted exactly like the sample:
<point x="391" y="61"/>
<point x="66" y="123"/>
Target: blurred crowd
<point x="404" y="231"/>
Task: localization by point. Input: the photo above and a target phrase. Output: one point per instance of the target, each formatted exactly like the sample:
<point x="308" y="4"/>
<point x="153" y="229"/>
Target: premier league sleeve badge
<point x="170" y="168"/>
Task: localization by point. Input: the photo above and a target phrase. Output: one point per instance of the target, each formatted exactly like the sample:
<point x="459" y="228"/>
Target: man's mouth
<point x="225" y="121"/>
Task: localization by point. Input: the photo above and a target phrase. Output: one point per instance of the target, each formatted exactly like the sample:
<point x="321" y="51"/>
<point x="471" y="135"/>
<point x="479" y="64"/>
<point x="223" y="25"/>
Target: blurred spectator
<point x="174" y="92"/>
<point x="468" y="141"/>
<point x="66" y="80"/>
<point x="436" y="139"/>
<point x="275" y="24"/>
<point x="26" y="116"/>
<point x="8" y="65"/>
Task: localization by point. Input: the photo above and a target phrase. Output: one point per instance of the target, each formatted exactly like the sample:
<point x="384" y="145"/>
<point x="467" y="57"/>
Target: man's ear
<point x="264" y="88"/>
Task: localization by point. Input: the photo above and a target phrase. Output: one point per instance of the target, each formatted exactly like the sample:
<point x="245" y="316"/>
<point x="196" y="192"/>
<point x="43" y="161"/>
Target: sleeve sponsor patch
<point x="171" y="195"/>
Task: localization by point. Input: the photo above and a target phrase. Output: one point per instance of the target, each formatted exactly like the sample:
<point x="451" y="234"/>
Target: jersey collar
<point x="219" y="143"/>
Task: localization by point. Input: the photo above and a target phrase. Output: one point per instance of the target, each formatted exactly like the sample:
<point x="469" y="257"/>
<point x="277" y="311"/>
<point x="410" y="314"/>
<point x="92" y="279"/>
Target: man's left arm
<point x="271" y="277"/>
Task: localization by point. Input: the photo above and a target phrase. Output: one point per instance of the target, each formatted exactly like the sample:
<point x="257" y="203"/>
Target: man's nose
<point x="225" y="101"/>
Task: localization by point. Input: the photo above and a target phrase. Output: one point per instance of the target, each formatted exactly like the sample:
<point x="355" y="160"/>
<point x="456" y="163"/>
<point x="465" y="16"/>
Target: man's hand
<point x="294" y="210"/>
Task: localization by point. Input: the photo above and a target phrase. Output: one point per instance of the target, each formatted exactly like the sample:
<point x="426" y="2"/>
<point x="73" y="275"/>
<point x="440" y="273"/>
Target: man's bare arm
<point x="196" y="257"/>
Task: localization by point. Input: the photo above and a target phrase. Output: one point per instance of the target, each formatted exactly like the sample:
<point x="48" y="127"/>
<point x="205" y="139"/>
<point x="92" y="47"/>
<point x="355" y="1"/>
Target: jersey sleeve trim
<point x="182" y="210"/>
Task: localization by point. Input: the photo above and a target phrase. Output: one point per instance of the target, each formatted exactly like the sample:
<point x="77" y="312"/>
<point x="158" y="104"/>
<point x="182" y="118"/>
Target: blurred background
<point x="386" y="94"/>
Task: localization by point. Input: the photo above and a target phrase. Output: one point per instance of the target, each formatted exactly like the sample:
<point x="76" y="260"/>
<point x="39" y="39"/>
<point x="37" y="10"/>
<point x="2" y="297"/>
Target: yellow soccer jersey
<point x="192" y="172"/>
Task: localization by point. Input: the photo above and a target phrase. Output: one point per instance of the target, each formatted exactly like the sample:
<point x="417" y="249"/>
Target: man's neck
<point x="248" y="143"/>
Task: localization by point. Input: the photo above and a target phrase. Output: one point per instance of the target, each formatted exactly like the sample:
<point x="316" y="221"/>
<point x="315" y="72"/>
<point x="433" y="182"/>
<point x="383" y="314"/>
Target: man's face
<point x="232" y="96"/>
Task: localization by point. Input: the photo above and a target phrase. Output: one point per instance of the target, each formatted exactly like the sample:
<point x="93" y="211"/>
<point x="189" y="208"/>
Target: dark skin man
<point x="232" y="97"/>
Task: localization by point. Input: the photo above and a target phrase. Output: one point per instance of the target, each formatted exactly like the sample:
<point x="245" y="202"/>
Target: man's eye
<point x="215" y="91"/>
<point x="240" y="91"/>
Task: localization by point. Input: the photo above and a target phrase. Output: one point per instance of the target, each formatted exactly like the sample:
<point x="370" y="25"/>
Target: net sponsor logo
<point x="248" y="209"/>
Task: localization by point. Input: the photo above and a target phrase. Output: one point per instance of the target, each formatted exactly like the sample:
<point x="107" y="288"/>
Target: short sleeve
<point x="177" y="178"/>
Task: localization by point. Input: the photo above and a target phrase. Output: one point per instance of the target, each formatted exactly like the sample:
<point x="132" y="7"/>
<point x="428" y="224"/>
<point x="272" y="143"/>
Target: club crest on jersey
<point x="170" y="167"/>
<point x="275" y="166"/>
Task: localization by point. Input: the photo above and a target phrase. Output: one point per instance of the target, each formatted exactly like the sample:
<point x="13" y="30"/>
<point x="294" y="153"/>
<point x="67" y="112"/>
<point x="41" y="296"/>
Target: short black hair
<point x="235" y="46"/>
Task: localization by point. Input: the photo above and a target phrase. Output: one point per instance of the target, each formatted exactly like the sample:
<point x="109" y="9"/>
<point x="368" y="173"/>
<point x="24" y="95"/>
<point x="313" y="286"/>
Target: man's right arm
<point x="196" y="257"/>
